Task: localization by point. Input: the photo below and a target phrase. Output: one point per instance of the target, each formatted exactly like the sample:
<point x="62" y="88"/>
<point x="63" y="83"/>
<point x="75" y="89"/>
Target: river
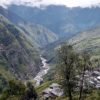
<point x="44" y="70"/>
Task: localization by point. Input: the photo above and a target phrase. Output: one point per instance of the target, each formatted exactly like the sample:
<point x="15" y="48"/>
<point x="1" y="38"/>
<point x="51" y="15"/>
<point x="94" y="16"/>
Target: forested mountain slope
<point x="17" y="53"/>
<point x="39" y="35"/>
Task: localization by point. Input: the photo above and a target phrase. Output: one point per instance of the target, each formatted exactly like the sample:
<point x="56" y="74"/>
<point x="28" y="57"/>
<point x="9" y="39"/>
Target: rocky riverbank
<point x="44" y="70"/>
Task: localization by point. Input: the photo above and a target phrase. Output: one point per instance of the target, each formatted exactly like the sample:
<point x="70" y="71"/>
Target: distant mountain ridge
<point x="11" y="16"/>
<point x="63" y="21"/>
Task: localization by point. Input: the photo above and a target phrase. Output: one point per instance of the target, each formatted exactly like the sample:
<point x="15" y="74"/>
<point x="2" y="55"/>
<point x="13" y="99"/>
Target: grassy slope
<point x="88" y="41"/>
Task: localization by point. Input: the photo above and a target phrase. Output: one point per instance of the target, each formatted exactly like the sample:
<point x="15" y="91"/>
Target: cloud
<point x="68" y="3"/>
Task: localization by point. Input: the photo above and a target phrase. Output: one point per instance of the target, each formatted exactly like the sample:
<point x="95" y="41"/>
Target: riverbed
<point x="44" y="70"/>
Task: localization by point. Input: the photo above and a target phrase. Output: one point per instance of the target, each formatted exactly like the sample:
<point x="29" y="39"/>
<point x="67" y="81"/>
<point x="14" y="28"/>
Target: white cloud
<point x="68" y="3"/>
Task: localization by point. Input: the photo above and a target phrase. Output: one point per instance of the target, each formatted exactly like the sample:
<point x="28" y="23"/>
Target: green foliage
<point x="68" y="67"/>
<point x="94" y="95"/>
<point x="71" y="64"/>
<point x="3" y="83"/>
<point x="18" y="91"/>
<point x="14" y="88"/>
<point x="30" y="93"/>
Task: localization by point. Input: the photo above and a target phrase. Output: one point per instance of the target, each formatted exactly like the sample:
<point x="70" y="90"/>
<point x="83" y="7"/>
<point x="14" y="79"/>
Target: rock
<point x="55" y="85"/>
<point x="98" y="86"/>
<point x="54" y="90"/>
<point x="47" y="91"/>
<point x="98" y="78"/>
<point x="96" y="73"/>
<point x="92" y="79"/>
<point x="91" y="82"/>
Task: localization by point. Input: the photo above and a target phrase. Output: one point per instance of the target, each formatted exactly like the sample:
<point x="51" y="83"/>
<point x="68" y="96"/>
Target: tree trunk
<point x="81" y="84"/>
<point x="68" y="72"/>
<point x="69" y="91"/>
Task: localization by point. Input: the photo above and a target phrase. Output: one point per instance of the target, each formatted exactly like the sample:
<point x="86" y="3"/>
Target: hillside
<point x="88" y="41"/>
<point x="18" y="55"/>
<point x="39" y="35"/>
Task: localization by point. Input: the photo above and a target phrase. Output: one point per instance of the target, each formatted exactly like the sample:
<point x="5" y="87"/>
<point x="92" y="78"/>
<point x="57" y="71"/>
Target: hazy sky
<point x="68" y="3"/>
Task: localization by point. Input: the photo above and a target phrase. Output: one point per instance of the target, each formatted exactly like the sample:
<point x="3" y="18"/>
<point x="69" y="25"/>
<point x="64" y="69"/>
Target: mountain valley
<point x="44" y="52"/>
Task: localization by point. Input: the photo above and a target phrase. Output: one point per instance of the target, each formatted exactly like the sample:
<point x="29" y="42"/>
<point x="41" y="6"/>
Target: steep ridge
<point x="11" y="16"/>
<point x="39" y="35"/>
<point x="17" y="53"/>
